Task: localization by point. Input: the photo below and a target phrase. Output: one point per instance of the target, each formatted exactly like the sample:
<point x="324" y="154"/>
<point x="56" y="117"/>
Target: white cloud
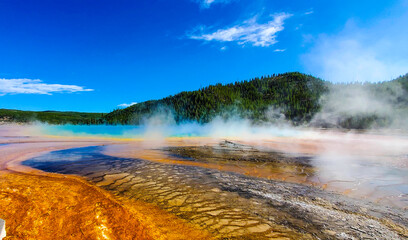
<point x="309" y="12"/>
<point x="249" y="31"/>
<point x="208" y="3"/>
<point x="125" y="105"/>
<point x="36" y="86"/>
<point x="279" y="50"/>
<point x="373" y="53"/>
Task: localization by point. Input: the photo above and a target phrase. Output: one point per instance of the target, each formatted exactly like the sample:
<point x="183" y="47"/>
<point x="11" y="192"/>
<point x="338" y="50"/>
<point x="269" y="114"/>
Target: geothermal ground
<point x="322" y="185"/>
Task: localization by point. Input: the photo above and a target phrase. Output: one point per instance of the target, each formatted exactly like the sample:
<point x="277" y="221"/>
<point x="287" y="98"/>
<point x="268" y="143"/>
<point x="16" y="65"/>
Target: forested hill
<point x="51" y="117"/>
<point x="403" y="80"/>
<point x="292" y="95"/>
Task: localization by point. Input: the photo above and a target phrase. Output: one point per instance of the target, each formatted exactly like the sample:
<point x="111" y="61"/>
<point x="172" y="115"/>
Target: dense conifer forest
<point x="50" y="117"/>
<point x="293" y="97"/>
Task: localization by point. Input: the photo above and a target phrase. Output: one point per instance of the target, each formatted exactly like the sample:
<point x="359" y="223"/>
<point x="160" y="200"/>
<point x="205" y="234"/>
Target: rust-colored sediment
<point x="38" y="205"/>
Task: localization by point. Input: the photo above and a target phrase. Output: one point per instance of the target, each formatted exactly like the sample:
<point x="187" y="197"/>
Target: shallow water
<point x="231" y="204"/>
<point x="379" y="178"/>
<point x="159" y="131"/>
<point x="277" y="185"/>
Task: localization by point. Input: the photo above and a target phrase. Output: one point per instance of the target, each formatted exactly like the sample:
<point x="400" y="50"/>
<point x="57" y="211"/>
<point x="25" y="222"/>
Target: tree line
<point x="294" y="96"/>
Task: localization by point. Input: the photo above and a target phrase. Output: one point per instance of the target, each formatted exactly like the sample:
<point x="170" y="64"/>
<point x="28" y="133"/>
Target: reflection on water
<point x="364" y="176"/>
<point x="192" y="194"/>
<point x="380" y="178"/>
<point x="225" y="203"/>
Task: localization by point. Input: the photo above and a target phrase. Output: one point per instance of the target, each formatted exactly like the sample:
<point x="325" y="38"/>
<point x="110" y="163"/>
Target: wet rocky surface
<point x="231" y="205"/>
<point x="377" y="177"/>
<point x="227" y="151"/>
<point x="256" y="161"/>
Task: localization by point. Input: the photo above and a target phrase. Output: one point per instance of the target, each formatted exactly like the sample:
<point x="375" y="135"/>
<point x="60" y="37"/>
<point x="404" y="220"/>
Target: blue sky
<point x="85" y="55"/>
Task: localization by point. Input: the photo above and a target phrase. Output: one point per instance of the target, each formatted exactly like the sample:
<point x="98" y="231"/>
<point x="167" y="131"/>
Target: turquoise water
<point x="123" y="131"/>
<point x="92" y="130"/>
<point x="235" y="129"/>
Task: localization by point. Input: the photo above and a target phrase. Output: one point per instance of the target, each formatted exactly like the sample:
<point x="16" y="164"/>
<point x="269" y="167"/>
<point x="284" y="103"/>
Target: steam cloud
<point x="365" y="104"/>
<point x="370" y="53"/>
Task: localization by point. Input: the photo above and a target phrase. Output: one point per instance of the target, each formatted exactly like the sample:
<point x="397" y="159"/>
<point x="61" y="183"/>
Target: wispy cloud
<point x="309" y="12"/>
<point x="371" y="53"/>
<point x="208" y="3"/>
<point x="36" y="86"/>
<point x="125" y="105"/>
<point x="279" y="50"/>
<point x="248" y="32"/>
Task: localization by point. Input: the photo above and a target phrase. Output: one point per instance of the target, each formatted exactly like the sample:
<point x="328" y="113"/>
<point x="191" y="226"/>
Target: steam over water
<point x="224" y="203"/>
<point x="234" y="179"/>
<point x="156" y="131"/>
<point x="363" y="165"/>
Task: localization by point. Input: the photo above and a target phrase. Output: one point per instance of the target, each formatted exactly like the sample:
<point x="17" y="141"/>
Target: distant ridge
<point x="293" y="97"/>
<point x="51" y="117"/>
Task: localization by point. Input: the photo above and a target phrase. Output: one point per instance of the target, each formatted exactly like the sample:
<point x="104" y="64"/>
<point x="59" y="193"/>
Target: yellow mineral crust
<point x="38" y="205"/>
